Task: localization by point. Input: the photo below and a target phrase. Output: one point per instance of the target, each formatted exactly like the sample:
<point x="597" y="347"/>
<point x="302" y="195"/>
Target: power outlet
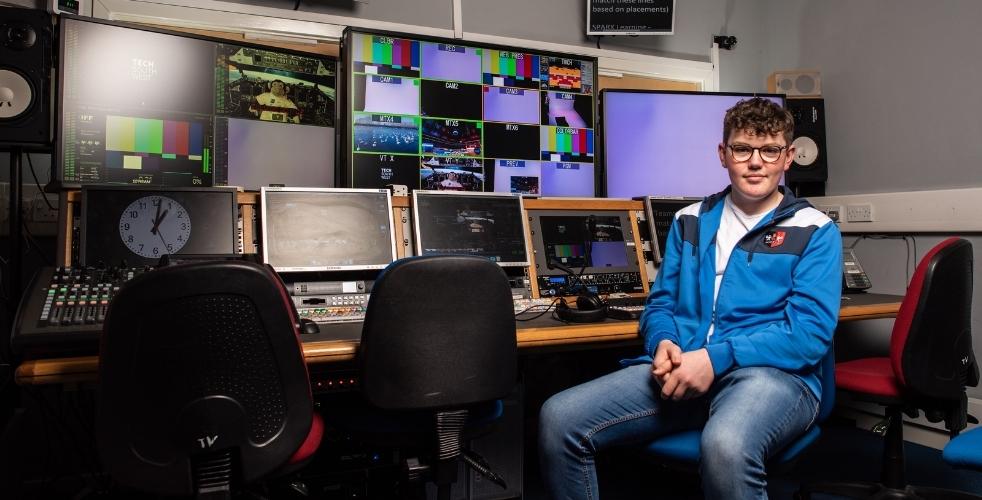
<point x="859" y="213"/>
<point x="41" y="212"/>
<point x="834" y="212"/>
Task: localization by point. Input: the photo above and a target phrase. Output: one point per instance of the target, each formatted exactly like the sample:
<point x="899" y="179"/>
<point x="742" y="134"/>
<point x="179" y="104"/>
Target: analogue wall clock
<point x="154" y="225"/>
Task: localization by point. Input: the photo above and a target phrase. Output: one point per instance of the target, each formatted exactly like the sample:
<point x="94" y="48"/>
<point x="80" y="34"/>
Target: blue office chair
<point x="438" y="351"/>
<point x="965" y="452"/>
<point x="683" y="448"/>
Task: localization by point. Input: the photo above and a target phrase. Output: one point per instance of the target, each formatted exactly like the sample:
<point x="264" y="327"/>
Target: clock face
<point x="153" y="226"/>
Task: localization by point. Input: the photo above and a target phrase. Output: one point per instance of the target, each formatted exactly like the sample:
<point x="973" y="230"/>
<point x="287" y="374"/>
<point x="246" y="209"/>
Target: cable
<point x="598" y="40"/>
<point x="537" y="316"/>
<point x="38" y="183"/>
<point x="29" y="237"/>
<point x="296" y="6"/>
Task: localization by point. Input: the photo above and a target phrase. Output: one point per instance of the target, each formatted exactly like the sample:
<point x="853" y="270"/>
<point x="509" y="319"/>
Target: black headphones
<point x="589" y="309"/>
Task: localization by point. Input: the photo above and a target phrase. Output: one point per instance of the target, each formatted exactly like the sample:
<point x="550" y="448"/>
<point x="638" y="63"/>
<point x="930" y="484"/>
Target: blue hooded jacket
<point x="778" y="301"/>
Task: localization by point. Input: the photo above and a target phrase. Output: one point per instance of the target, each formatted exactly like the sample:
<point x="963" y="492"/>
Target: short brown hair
<point x="758" y="116"/>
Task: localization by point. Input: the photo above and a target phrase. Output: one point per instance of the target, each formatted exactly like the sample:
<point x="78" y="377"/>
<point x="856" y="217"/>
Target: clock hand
<point x="156" y="223"/>
<point x="156" y="218"/>
<point x="161" y="235"/>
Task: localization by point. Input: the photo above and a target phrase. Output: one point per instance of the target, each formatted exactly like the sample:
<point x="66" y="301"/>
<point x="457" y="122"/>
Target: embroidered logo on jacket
<point x="774" y="239"/>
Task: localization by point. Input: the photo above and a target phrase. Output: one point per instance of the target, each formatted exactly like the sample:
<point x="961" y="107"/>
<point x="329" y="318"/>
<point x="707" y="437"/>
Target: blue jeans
<point x="747" y="415"/>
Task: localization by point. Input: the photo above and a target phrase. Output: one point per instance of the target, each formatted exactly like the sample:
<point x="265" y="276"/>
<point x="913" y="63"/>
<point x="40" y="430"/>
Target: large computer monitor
<point x="130" y="226"/>
<point x="311" y="229"/>
<point x="440" y="114"/>
<point x="600" y="245"/>
<point x="664" y="143"/>
<point x="144" y="106"/>
<point x="489" y="225"/>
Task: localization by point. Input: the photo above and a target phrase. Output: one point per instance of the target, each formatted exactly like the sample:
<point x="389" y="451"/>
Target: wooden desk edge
<point x="60" y="370"/>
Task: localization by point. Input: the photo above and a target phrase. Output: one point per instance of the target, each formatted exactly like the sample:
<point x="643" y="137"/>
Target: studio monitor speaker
<point x="809" y="140"/>
<point x="795" y="83"/>
<point x="25" y="77"/>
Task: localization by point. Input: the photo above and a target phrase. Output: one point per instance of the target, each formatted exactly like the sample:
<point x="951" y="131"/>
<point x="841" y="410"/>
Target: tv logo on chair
<point x="207" y="441"/>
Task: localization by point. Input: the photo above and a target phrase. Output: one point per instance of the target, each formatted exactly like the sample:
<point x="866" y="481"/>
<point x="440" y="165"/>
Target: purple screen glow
<point x="665" y="144"/>
<point x="567" y="179"/>
<point x="506" y="104"/>
<point x="451" y="62"/>
<point x="390" y="94"/>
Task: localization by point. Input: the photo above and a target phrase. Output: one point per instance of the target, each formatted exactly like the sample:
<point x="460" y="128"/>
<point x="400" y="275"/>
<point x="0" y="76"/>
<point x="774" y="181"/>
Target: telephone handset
<point x="854" y="279"/>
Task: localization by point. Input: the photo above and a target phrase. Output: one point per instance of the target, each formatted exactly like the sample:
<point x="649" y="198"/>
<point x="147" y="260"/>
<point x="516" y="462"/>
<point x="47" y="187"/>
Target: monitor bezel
<point x="346" y="129"/>
<point x="58" y="183"/>
<point x="162" y="190"/>
<point x="361" y="267"/>
<point x="656" y="249"/>
<point x="463" y="194"/>
<point x="602" y="112"/>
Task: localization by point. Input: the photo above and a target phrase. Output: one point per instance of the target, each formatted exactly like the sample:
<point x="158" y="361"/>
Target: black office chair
<point x="203" y="385"/>
<point x="438" y="349"/>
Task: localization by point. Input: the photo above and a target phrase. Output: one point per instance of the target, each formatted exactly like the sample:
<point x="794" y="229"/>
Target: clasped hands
<point x="681" y="375"/>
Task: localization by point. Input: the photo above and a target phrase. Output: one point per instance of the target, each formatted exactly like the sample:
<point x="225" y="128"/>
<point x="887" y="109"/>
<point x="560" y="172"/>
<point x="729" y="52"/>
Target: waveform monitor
<point x="311" y="229"/>
<point x="126" y="226"/>
<point x="664" y="143"/>
<point x="139" y="105"/>
<point x="598" y="245"/>
<point x="489" y="225"/>
<point x="435" y="114"/>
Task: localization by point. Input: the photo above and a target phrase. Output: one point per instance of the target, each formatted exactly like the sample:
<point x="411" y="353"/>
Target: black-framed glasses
<point x="743" y="152"/>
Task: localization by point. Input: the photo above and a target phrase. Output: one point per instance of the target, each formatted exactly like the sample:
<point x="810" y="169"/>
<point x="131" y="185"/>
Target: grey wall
<point x="904" y="113"/>
<point x="696" y="21"/>
<point x="901" y="83"/>
<point x="564" y="22"/>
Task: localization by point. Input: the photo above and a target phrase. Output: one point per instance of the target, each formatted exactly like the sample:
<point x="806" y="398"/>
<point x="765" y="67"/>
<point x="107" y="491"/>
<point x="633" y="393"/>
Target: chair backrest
<point x="439" y="333"/>
<point x="196" y="361"/>
<point x="931" y="344"/>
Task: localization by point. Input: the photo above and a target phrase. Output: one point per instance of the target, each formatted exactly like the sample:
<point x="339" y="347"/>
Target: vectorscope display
<point x="437" y="115"/>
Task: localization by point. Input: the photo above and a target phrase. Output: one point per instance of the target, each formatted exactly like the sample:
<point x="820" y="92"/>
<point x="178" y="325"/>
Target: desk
<point x="540" y="333"/>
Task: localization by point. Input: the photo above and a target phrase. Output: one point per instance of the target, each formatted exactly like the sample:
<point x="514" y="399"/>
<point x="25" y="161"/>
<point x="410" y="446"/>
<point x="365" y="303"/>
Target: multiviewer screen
<point x="440" y="116"/>
<point x="157" y="108"/>
<point x="327" y="229"/>
<point x="486" y="225"/>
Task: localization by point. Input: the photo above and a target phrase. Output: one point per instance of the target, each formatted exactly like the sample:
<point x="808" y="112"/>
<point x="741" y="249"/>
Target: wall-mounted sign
<point x="630" y="17"/>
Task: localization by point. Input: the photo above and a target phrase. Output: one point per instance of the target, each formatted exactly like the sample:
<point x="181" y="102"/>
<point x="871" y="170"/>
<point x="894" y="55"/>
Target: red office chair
<point x="929" y="365"/>
<point x="203" y="385"/>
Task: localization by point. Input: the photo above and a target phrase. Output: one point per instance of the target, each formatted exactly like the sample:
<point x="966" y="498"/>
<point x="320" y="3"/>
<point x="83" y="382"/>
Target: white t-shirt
<point x="733" y="225"/>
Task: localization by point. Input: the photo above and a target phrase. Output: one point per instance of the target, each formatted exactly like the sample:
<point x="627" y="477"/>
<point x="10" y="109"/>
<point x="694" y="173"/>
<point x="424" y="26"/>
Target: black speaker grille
<point x="217" y="345"/>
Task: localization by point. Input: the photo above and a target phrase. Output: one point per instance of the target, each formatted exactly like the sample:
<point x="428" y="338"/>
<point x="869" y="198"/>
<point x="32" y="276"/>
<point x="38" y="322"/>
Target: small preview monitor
<point x="664" y="143"/>
<point x="660" y="213"/>
<point x="599" y="246"/>
<point x="440" y="114"/>
<point x="130" y="226"/>
<point x="489" y="225"/>
<point x="320" y="229"/>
